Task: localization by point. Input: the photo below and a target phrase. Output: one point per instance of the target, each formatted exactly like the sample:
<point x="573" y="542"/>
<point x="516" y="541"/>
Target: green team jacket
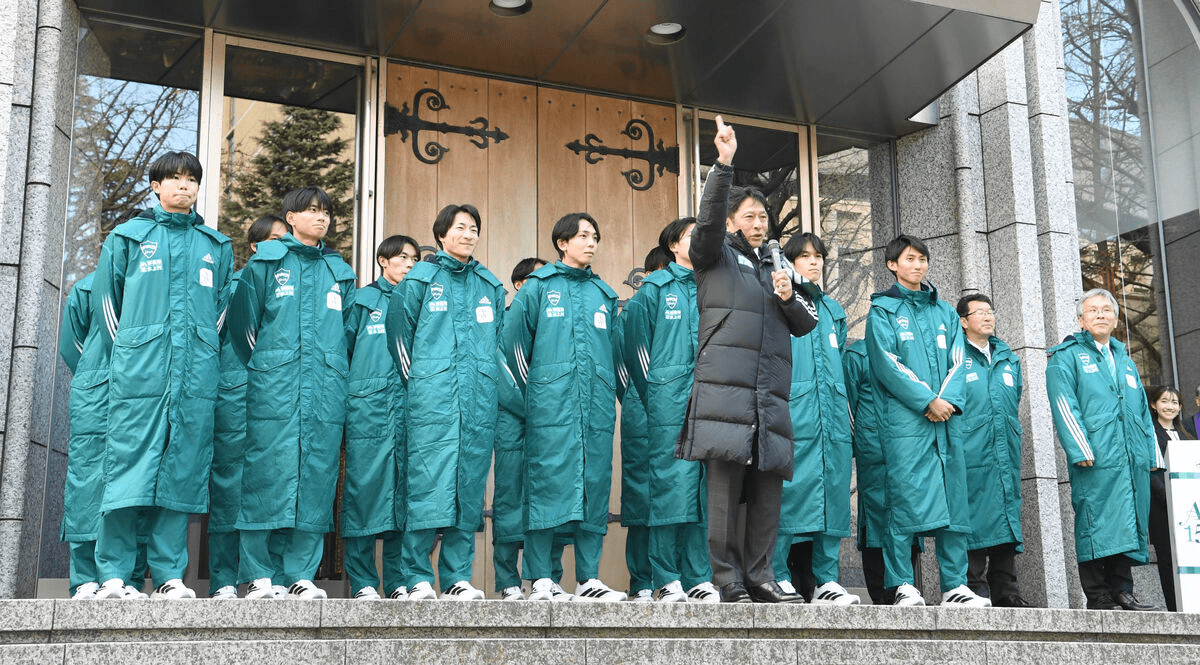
<point x="635" y="471"/>
<point x="508" y="489"/>
<point x="373" y="493"/>
<point x="81" y="349"/>
<point x="659" y="351"/>
<point x="989" y="431"/>
<point x="868" y="447"/>
<point x="1107" y="422"/>
<point x="160" y="292"/>
<point x="229" y="439"/>
<point x="817" y="498"/>
<point x="443" y="329"/>
<point x="288" y="323"/>
<point x="559" y="344"/>
<point x="915" y="344"/>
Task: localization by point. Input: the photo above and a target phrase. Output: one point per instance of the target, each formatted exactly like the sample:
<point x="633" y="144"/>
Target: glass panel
<point x="288" y="121"/>
<point x="766" y="159"/>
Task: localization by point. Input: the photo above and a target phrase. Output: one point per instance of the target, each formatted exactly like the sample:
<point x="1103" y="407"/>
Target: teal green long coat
<point x="869" y="468"/>
<point x="989" y="430"/>
<point x="508" y="489"/>
<point x="817" y="498"/>
<point x="659" y="351"/>
<point x="443" y="328"/>
<point x="81" y="349"/>
<point x="229" y="439"/>
<point x="559" y="344"/>
<point x="915" y="343"/>
<point x="635" y="462"/>
<point x="372" y="494"/>
<point x="1107" y="422"/>
<point x="160" y="295"/>
<point x="288" y="323"/>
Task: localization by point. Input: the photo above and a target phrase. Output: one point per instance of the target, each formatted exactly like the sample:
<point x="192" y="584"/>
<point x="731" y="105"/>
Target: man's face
<point x="1098" y="318"/>
<point x="396" y="267"/>
<point x="177" y="193"/>
<point x="810" y="263"/>
<point x="309" y="225"/>
<point x="751" y="219"/>
<point x="980" y="321"/>
<point x="579" y="249"/>
<point x="910" y="268"/>
<point x="461" y="237"/>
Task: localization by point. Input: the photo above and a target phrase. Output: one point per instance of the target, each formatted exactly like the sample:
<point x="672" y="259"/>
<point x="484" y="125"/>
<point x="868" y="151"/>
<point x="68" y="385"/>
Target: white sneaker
<point x="173" y="590"/>
<point x="512" y="593"/>
<point x="226" y="592"/>
<point x="786" y="585"/>
<point x="116" y="588"/>
<point x="594" y="590"/>
<point x="643" y="596"/>
<point x="671" y="593"/>
<point x="703" y="592"/>
<point x="367" y="593"/>
<point x="832" y="593"/>
<point x="908" y="596"/>
<point x="961" y="596"/>
<point x="399" y="593"/>
<point x="462" y="590"/>
<point x="280" y="590"/>
<point x="306" y="590"/>
<point x="422" y="591"/>
<point x="86" y="591"/>
<point x="261" y="589"/>
<point x="547" y="589"/>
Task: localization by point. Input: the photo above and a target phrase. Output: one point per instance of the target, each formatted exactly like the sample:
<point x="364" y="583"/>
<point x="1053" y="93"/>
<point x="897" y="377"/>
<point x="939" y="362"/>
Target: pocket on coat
<point x="139" y="361"/>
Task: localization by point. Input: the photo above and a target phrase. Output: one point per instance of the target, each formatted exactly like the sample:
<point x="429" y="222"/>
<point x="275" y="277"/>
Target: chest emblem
<point x="1085" y="358"/>
<point x="376" y="315"/>
<point x="282" y="276"/>
<point x="553" y="297"/>
<point x="436" y="290"/>
<point x="672" y="301"/>
<point x="968" y="363"/>
<point x="149" y="248"/>
<point x="207" y="258"/>
<point x="902" y="321"/>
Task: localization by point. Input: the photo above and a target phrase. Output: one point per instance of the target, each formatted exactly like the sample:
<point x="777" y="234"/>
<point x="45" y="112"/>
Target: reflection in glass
<point x="766" y="159"/>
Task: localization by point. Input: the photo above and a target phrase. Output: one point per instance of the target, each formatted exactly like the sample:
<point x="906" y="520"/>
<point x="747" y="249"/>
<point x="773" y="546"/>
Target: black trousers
<point x="1160" y="538"/>
<point x="1107" y="576"/>
<point x="872" y="563"/>
<point x="799" y="563"/>
<point x="992" y="571"/>
<point x="748" y="558"/>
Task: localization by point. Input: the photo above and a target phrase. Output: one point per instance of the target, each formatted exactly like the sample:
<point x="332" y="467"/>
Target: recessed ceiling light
<point x="509" y="8"/>
<point x="662" y="34"/>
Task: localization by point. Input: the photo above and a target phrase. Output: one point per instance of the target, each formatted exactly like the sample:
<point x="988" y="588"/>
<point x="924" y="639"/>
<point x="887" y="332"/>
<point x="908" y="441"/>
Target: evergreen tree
<point x="300" y="150"/>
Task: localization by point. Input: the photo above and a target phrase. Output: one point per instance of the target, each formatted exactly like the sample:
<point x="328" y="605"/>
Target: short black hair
<point x="525" y="268"/>
<point x="657" y="259"/>
<point x="174" y="163"/>
<point x="260" y="230"/>
<point x="797" y="243"/>
<point x="739" y="194"/>
<point x="673" y="232"/>
<point x="393" y="245"/>
<point x="445" y="219"/>
<point x="568" y="225"/>
<point x="298" y="200"/>
<point x="964" y="303"/>
<point x="896" y="247"/>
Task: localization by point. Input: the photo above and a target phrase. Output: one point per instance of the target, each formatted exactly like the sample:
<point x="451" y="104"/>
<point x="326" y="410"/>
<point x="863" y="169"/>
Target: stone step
<point x="345" y="631"/>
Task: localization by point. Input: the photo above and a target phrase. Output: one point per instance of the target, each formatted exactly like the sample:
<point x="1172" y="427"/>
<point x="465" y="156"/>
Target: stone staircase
<point x="328" y="632"/>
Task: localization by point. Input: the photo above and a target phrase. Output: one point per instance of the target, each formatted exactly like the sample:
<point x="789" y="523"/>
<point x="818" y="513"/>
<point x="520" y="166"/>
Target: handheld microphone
<point x="773" y="247"/>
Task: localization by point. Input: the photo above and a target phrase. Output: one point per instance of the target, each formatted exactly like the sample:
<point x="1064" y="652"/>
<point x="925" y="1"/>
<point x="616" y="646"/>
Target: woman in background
<point x="1164" y="410"/>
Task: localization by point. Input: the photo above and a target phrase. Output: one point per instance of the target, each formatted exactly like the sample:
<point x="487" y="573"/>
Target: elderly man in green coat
<point x="559" y="343"/>
<point x="989" y="430"/>
<point x="288" y="324"/>
<point x="161" y="289"/>
<point x="443" y="329"/>
<point x="815" y="513"/>
<point x="1104" y="426"/>
<point x="915" y="346"/>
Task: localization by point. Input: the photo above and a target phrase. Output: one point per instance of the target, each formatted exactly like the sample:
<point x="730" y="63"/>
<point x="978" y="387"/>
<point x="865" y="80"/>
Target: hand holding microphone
<point x="779" y="274"/>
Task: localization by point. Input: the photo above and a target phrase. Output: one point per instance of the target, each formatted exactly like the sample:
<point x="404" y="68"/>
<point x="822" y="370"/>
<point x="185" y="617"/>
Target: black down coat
<point x="738" y="409"/>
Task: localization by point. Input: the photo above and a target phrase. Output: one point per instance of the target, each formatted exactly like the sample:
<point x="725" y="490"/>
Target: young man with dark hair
<point x="915" y="344"/>
<point x="161" y="290"/>
<point x="443" y="328"/>
<point x="289" y="325"/>
<point x="737" y="419"/>
<point x="559" y="346"/>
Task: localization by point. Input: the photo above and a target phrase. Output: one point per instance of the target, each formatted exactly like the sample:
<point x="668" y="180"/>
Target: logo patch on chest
<point x="376" y="315"/>
<point x="902" y="321"/>
<point x="149" y="248"/>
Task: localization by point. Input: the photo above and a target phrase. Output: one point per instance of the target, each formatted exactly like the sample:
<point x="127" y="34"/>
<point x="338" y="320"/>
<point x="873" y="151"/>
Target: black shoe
<point x="1103" y="602"/>
<point x="770" y="592"/>
<point x="1011" y="600"/>
<point x="735" y="592"/>
<point x="1129" y="601"/>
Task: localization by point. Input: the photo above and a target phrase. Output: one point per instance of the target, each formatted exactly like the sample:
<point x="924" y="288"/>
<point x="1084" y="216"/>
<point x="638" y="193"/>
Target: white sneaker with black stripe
<point x="908" y="596"/>
<point x="422" y="591"/>
<point x="672" y="592"/>
<point x="261" y="589"/>
<point x="280" y="590"/>
<point x="399" y="593"/>
<point x="512" y="593"/>
<point x="366" y="593"/>
<point x="227" y="592"/>
<point x="116" y="588"/>
<point x="306" y="590"/>
<point x="703" y="592"/>
<point x="86" y="591"/>
<point x="462" y="590"/>
<point x="961" y="596"/>
<point x="642" y="596"/>
<point x="173" y="590"/>
<point x="547" y="589"/>
<point x="832" y="593"/>
<point x="594" y="590"/>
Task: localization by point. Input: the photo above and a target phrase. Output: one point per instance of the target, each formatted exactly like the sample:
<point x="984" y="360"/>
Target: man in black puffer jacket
<point x="737" y="417"/>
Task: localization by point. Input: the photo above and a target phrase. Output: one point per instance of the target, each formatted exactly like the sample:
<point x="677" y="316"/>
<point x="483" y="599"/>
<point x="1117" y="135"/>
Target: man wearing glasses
<point x="989" y="431"/>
